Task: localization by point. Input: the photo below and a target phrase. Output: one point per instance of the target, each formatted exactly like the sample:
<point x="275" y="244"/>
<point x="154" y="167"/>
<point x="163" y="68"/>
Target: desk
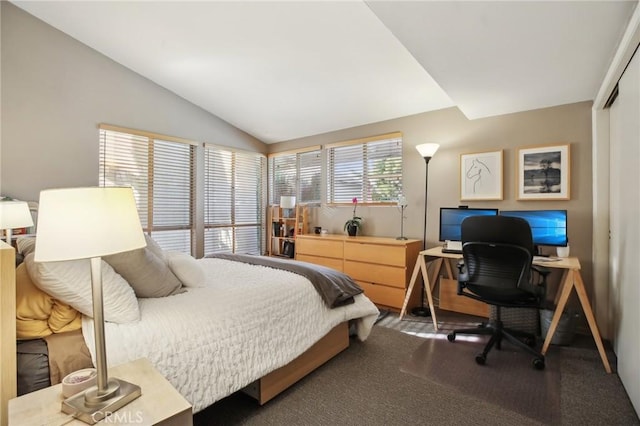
<point x="571" y="278"/>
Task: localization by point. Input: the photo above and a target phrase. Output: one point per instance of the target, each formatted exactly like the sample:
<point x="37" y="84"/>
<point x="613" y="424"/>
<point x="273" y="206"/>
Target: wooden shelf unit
<point x="381" y="266"/>
<point x="284" y="225"/>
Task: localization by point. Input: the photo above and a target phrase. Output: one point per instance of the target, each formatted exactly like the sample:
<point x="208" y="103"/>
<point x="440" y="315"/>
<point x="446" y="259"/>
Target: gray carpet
<point x="364" y="385"/>
<point x="507" y="379"/>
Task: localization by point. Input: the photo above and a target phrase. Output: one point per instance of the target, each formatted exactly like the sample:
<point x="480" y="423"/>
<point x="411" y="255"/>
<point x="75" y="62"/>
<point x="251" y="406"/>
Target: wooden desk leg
<point x="427" y="290"/>
<point x="414" y="277"/>
<point x="564" y="277"/>
<point x="586" y="307"/>
<point x="448" y="269"/>
<point x="574" y="279"/>
<point x="433" y="278"/>
<point x="566" y="286"/>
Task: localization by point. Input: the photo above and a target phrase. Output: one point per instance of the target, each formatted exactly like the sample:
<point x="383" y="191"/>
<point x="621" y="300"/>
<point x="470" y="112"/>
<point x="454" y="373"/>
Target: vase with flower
<point x="352" y="225"/>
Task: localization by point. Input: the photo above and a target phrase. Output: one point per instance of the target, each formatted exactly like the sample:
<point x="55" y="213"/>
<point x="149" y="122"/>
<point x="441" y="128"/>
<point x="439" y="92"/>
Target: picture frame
<point x="481" y="176"/>
<point x="544" y="173"/>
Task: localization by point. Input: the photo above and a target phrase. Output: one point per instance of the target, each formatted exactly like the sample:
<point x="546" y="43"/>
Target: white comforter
<point x="210" y="342"/>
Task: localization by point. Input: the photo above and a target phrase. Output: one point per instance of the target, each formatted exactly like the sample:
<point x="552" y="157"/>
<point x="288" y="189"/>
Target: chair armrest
<point x="542" y="282"/>
<point x="542" y="271"/>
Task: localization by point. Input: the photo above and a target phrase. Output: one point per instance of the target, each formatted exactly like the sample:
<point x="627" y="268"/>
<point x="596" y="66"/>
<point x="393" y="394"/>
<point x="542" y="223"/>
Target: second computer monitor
<point x="548" y="227"/>
<point x="451" y="219"/>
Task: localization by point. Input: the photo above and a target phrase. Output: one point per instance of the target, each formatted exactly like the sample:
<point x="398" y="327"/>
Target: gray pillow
<point x="26" y="245"/>
<point x="146" y="273"/>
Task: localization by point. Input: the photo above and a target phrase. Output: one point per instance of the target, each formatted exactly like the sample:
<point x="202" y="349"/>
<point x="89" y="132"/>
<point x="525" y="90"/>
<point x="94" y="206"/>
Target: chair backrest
<point x="497" y="252"/>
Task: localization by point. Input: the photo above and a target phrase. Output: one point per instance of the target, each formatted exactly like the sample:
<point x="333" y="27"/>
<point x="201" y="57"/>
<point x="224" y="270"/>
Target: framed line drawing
<point x="481" y="176"/>
<point x="544" y="173"/>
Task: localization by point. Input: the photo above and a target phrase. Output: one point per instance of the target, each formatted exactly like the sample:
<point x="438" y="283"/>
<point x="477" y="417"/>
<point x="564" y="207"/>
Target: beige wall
<point x="458" y="135"/>
<point x="55" y="92"/>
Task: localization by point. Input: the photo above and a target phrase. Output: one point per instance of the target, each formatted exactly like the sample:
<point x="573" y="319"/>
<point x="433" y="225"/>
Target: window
<point x="296" y="173"/>
<point x="369" y="169"/>
<point x="161" y="171"/>
<point x="234" y="201"/>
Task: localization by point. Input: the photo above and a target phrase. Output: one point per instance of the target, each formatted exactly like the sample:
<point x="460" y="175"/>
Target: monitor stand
<point x="537" y="251"/>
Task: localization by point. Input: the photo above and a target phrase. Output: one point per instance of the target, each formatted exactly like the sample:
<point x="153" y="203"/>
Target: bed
<point x="229" y="326"/>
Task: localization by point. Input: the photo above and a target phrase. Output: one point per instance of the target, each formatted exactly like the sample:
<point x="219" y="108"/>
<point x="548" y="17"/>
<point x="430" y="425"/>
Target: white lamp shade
<point x="78" y="223"/>
<point x="14" y="214"/>
<point x="427" y="150"/>
<point x="287" y="202"/>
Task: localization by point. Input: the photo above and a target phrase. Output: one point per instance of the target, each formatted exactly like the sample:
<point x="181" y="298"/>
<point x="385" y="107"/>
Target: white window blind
<point x="296" y="173"/>
<point x="370" y="170"/>
<point x="234" y="201"/>
<point x="161" y="173"/>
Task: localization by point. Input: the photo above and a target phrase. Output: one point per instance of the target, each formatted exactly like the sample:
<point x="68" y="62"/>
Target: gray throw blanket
<point x="335" y="288"/>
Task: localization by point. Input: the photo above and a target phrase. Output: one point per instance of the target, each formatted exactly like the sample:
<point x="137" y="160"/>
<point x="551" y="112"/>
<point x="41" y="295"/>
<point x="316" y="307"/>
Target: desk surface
<point x="552" y="262"/>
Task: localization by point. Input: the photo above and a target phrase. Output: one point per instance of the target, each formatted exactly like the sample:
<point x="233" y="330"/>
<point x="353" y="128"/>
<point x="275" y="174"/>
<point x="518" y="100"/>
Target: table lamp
<point x="402" y="203"/>
<point x="287" y="202"/>
<point x="87" y="223"/>
<point x="14" y="214"/>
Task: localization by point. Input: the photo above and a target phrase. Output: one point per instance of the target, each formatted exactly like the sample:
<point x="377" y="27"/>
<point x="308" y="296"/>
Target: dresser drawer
<point x="375" y="253"/>
<point x="379" y="274"/>
<point x="329" y="262"/>
<point x="382" y="295"/>
<point x="320" y="247"/>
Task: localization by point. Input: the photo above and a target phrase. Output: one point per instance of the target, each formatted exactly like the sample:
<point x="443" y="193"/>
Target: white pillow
<point x="70" y="282"/>
<point x="154" y="247"/>
<point x="186" y="268"/>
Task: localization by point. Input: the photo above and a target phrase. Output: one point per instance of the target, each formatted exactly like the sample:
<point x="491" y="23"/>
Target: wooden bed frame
<point x="263" y="389"/>
<point x="8" y="377"/>
<point x="322" y="351"/>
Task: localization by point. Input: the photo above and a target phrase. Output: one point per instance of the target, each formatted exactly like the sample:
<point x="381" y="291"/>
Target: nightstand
<point x="160" y="403"/>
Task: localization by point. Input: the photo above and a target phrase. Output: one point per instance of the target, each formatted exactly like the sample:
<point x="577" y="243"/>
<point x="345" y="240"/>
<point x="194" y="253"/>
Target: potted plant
<point x="352" y="225"/>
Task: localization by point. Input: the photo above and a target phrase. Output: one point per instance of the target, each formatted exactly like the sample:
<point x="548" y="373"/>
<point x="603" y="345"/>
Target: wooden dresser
<point x="381" y="266"/>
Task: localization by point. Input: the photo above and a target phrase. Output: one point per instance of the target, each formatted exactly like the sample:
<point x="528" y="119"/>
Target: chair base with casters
<point x="498" y="333"/>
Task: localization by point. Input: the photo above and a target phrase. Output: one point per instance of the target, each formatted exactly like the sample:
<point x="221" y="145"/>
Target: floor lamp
<point x="427" y="150"/>
<point x="88" y="223"/>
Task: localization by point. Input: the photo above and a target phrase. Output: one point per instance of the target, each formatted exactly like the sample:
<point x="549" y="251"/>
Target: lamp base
<point x="421" y="311"/>
<point x="401" y="238"/>
<point x="83" y="406"/>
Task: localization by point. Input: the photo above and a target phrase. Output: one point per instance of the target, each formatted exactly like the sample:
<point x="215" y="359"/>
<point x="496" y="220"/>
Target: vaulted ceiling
<point x="284" y="70"/>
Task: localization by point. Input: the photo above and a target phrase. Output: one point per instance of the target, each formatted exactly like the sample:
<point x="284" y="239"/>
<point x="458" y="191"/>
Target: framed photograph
<point x="544" y="173"/>
<point x="481" y="176"/>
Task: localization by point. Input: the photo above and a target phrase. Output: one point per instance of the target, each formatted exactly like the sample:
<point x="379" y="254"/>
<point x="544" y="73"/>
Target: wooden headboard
<point x="8" y="375"/>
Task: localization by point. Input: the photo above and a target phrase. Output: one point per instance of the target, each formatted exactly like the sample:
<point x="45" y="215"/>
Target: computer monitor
<point x="548" y="227"/>
<point x="451" y="218"/>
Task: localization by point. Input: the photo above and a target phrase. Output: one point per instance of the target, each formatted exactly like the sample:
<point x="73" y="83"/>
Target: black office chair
<point x="497" y="270"/>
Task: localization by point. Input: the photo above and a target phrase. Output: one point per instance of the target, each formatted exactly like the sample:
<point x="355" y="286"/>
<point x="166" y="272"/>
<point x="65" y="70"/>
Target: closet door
<point x="624" y="227"/>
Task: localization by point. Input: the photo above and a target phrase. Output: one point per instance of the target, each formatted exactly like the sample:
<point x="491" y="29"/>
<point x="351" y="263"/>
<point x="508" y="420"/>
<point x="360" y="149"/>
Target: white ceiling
<point x="284" y="70"/>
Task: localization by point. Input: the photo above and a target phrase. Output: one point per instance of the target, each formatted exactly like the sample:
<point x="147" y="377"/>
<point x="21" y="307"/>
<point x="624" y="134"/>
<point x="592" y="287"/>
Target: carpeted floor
<point x="368" y="384"/>
<point x="507" y="379"/>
